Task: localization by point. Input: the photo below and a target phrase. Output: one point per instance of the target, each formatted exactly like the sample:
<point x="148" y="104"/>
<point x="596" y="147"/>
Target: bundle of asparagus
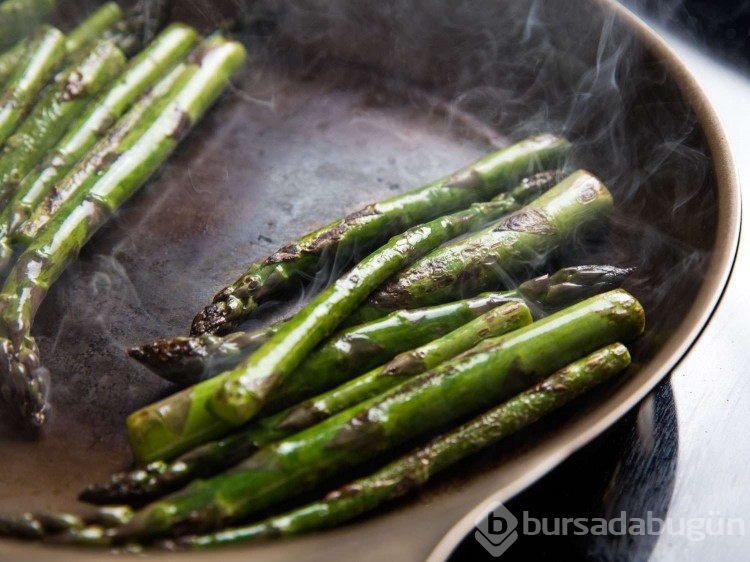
<point x="300" y="403"/>
<point x="579" y="342"/>
<point x="81" y="129"/>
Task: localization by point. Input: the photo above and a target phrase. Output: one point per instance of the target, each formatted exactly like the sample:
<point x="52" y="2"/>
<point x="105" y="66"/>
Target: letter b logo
<point x="496" y="529"/>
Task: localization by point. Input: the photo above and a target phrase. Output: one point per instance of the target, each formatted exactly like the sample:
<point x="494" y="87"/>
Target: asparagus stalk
<point x="157" y="478"/>
<point x="545" y="293"/>
<point x="489" y="257"/>
<point x="10" y="59"/>
<point x="43" y="191"/>
<point x="53" y="114"/>
<point x="347" y="351"/>
<point x="578" y="202"/>
<point x="19" y="18"/>
<point x="33" y="72"/>
<point x="93" y="27"/>
<point x="495" y="370"/>
<point x="364" y="230"/>
<point x="417" y="467"/>
<point x="183" y="421"/>
<point x="143" y="151"/>
<point x="160" y="476"/>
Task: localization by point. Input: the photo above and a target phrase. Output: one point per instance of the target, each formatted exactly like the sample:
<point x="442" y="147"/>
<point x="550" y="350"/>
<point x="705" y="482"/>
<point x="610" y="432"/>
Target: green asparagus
<point x="158" y="477"/>
<point x="249" y="387"/>
<point x="93" y="27"/>
<point x="155" y="426"/>
<point x="182" y="421"/>
<point x="416" y="468"/>
<point x="365" y="230"/>
<point x="405" y="365"/>
<point x="143" y="151"/>
<point x="43" y="191"/>
<point x="187" y="360"/>
<point x="10" y="59"/>
<point x="19" y="18"/>
<point x="576" y="203"/>
<point x="52" y="115"/>
<point x="34" y="71"/>
<point x="493" y="371"/>
<point x="489" y="257"/>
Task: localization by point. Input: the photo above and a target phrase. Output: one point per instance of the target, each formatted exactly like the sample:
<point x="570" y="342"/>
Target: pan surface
<point x="344" y="103"/>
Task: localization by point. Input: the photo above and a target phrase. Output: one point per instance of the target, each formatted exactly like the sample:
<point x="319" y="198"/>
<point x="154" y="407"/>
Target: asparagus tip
<point x="24" y="387"/>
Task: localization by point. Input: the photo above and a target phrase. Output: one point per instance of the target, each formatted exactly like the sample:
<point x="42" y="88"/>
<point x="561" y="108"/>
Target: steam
<point x="346" y="103"/>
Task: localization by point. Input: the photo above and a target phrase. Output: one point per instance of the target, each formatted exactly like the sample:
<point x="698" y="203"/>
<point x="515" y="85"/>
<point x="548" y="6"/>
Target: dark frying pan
<point x="344" y="103"/>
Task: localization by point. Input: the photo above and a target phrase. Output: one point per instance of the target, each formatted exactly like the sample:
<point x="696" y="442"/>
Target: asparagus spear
<point x="34" y="71"/>
<point x="491" y="256"/>
<point x="43" y="191"/>
<point x="10" y="59"/>
<point x="183" y="421"/>
<point x="417" y="467"/>
<point x="143" y="151"/>
<point x="364" y="230"/>
<point x="578" y="202"/>
<point x="93" y="27"/>
<point x="544" y="293"/>
<point x="493" y="371"/>
<point x="346" y="351"/>
<point x="159" y="477"/>
<point x="63" y="102"/>
<point x="19" y="18"/>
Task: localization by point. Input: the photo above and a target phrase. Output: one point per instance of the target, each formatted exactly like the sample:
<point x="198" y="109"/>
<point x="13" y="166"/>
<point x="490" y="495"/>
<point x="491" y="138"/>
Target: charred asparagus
<point x="143" y="151"/>
<point x="492" y="256"/>
<point x="159" y="477"/>
<point x="370" y="227"/>
<point x="152" y="430"/>
<point x="493" y="371"/>
<point x="43" y="191"/>
<point x="577" y="202"/>
<point x="417" y="467"/>
<point x="55" y="111"/>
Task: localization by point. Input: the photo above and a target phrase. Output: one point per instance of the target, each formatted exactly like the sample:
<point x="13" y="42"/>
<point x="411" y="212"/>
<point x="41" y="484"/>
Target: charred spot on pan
<point x="527" y="220"/>
<point x="183" y="126"/>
